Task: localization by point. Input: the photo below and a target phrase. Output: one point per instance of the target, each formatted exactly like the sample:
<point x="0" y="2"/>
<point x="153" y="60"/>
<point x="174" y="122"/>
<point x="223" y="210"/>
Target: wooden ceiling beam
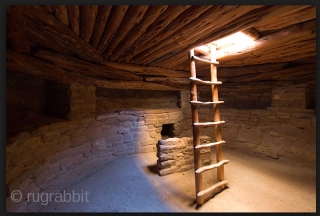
<point x="289" y="15"/>
<point x="50" y="29"/>
<point x="48" y="8"/>
<point x="237" y="71"/>
<point x="75" y="65"/>
<point x="88" y="15"/>
<point x="20" y="63"/>
<point x="178" y="25"/>
<point x="271" y="42"/>
<point x="117" y="14"/>
<point x="146" y="70"/>
<point x="153" y="30"/>
<point x="101" y="21"/>
<point x="119" y="84"/>
<point x="16" y="30"/>
<point x="284" y="36"/>
<point x="61" y="13"/>
<point x="287" y="43"/>
<point x="305" y="72"/>
<point x="216" y="31"/>
<point x="32" y="66"/>
<point x="133" y="16"/>
<point x="74" y="18"/>
<point x="150" y="16"/>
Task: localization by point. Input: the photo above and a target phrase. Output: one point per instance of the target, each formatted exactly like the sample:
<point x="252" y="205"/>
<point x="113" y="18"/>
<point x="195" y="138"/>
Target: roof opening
<point x="239" y="42"/>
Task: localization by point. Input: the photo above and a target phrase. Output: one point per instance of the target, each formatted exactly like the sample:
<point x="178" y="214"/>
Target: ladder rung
<point x="212" y="166"/>
<point x="208" y="123"/>
<point x="207" y="145"/>
<point x="206" y="103"/>
<point x="204" y="82"/>
<point x="211" y="188"/>
<point x="204" y="60"/>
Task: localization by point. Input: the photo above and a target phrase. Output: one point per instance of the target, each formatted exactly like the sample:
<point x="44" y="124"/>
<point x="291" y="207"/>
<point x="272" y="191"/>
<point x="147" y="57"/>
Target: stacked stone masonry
<point x="176" y="154"/>
<point x="54" y="155"/>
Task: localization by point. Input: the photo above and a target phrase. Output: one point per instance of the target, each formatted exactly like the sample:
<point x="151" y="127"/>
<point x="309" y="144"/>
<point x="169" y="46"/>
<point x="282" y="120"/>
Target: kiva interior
<point x="161" y="108"/>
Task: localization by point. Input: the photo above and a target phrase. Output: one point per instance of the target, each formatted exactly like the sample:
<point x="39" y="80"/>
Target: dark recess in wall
<point x="167" y="131"/>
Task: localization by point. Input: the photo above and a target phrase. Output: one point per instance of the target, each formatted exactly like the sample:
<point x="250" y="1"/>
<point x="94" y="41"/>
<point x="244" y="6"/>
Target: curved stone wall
<point x="53" y="156"/>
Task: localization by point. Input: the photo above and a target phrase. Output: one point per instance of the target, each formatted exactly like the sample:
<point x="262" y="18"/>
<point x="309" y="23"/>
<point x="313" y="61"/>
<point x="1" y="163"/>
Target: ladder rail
<point x="195" y="130"/>
<point x="196" y="125"/>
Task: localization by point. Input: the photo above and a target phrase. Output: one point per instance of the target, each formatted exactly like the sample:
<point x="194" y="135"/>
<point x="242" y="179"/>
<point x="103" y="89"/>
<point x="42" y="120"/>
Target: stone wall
<point x="286" y="130"/>
<point x="176" y="154"/>
<point x="248" y="96"/>
<point x="82" y="101"/>
<point x="53" y="156"/>
<point x="25" y="99"/>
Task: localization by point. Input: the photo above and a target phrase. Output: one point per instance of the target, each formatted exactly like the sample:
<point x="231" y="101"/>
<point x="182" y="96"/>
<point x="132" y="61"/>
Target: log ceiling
<point x="146" y="46"/>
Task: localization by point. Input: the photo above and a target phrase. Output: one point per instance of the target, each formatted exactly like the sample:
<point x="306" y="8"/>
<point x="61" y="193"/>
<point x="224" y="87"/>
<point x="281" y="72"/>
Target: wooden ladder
<point x="199" y="169"/>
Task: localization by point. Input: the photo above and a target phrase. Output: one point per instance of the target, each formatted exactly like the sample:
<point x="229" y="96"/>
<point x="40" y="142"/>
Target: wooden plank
<point x="145" y="70"/>
<point x="192" y="31"/>
<point x="212" y="166"/>
<point x="181" y="83"/>
<point x="307" y="60"/>
<point x="288" y="73"/>
<point x="251" y="33"/>
<point x="290" y="51"/>
<point x="211" y="188"/>
<point x="117" y="14"/>
<point x="204" y="60"/>
<point x="88" y="15"/>
<point x="48" y="8"/>
<point x="288" y="35"/>
<point x="282" y="55"/>
<point x="206" y="124"/>
<point x="202" y="50"/>
<point x="153" y="30"/>
<point x="16" y="30"/>
<point x="21" y="63"/>
<point x="208" y="145"/>
<point x="132" y="18"/>
<point x="238" y="71"/>
<point x="206" y="36"/>
<point x="215" y="32"/>
<point x="61" y="13"/>
<point x="206" y="103"/>
<point x="37" y="40"/>
<point x="177" y="82"/>
<point x="28" y="65"/>
<point x="178" y="26"/>
<point x="118" y="84"/>
<point x="51" y="29"/>
<point x="72" y="64"/>
<point x="100" y="23"/>
<point x="199" y="81"/>
<point x="150" y="16"/>
<point x="74" y="18"/>
<point x="286" y="16"/>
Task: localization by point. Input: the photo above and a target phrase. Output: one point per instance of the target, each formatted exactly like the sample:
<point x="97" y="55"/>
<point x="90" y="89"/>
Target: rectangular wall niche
<point x="57" y="97"/>
<point x="167" y="131"/>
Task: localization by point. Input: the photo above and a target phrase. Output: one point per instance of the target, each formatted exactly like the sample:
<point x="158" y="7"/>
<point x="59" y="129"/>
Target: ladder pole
<point x="216" y="114"/>
<point x="196" y="134"/>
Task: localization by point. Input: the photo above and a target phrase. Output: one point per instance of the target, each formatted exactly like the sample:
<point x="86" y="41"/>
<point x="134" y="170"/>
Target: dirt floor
<point x="131" y="184"/>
